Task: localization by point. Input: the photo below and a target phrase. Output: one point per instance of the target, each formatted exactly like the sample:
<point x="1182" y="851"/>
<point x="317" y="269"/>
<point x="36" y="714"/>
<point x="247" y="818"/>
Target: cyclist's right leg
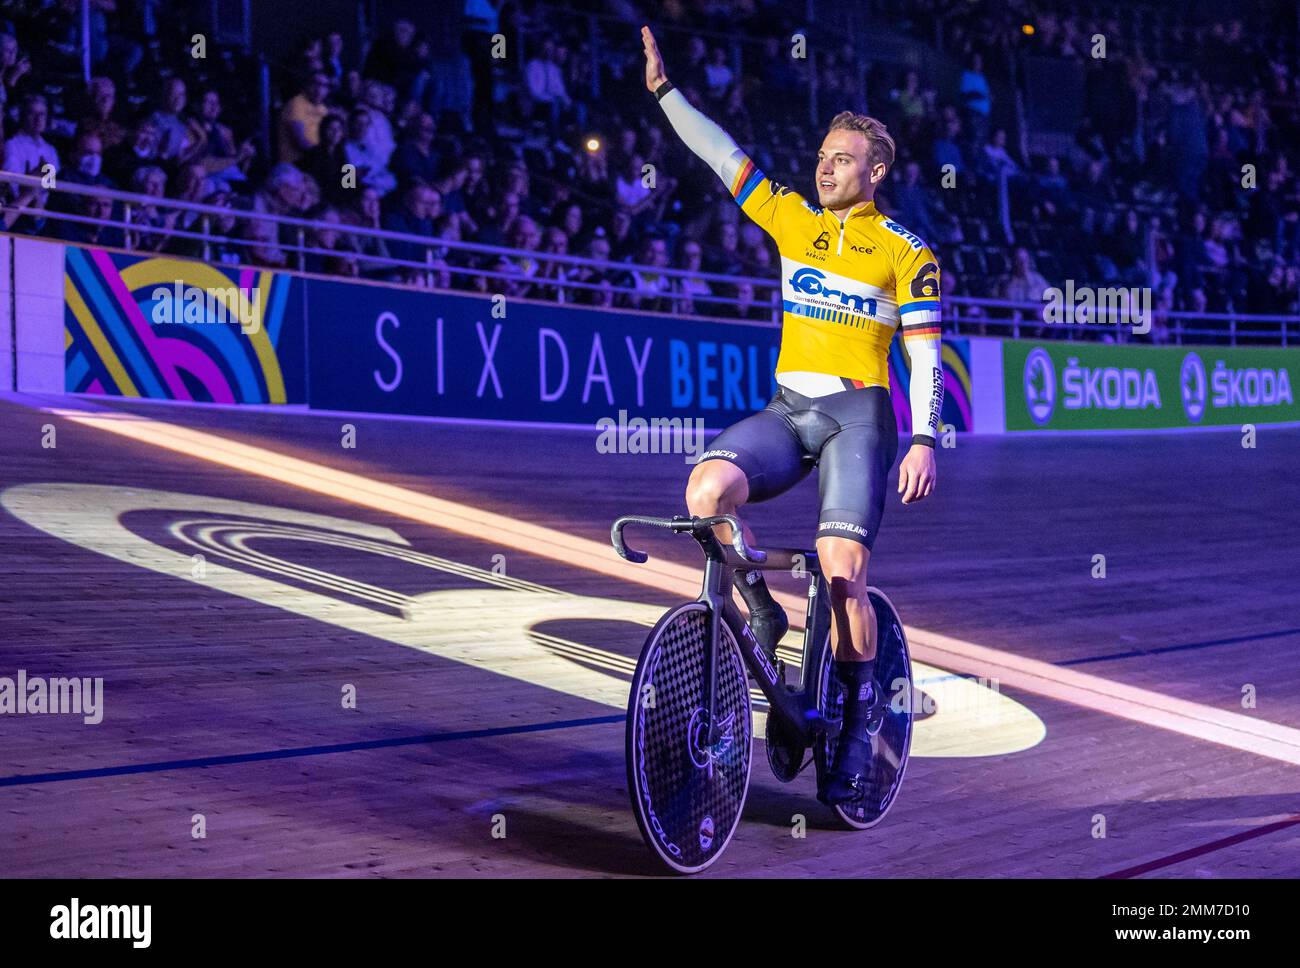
<point x="718" y="487"/>
<point x="753" y="460"/>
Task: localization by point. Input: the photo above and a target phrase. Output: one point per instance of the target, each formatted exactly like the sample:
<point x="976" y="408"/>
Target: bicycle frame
<point x="797" y="706"/>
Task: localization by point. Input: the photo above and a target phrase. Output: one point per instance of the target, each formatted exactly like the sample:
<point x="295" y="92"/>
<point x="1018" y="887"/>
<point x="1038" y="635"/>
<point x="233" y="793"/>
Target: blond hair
<point x="880" y="146"/>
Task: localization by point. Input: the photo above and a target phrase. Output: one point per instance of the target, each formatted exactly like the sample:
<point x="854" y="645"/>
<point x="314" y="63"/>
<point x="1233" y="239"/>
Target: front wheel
<point x="687" y="794"/>
<point x="891" y="745"/>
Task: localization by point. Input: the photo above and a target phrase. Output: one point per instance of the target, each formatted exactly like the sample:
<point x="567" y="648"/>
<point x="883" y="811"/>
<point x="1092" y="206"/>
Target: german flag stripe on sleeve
<point x="922" y="329"/>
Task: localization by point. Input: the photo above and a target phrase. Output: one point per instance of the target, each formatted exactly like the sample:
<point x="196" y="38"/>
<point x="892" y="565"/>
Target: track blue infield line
<point x="1134" y="653"/>
<point x="234" y="758"/>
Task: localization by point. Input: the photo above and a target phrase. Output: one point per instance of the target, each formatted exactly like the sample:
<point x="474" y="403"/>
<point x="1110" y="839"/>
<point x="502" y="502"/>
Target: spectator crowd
<point x="556" y="149"/>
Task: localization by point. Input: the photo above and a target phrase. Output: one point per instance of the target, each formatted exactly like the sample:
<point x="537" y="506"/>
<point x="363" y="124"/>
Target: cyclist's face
<point x="844" y="176"/>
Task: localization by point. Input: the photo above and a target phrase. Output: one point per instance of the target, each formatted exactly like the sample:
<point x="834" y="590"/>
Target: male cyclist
<point x="850" y="277"/>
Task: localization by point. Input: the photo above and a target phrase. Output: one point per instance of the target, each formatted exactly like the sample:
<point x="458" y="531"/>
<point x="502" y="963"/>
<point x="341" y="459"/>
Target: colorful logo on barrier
<point x="1040" y="386"/>
<point x="245" y="352"/>
<point x="1192" y="381"/>
<point x="955" y="358"/>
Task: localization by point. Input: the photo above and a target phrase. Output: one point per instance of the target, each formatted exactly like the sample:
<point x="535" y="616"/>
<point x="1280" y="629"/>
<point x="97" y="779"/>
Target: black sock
<point x="859" y="686"/>
<point x="753" y="589"/>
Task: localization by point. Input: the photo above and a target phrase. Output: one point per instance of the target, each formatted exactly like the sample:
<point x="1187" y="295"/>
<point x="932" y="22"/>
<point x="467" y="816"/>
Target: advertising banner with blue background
<point x="403" y="351"/>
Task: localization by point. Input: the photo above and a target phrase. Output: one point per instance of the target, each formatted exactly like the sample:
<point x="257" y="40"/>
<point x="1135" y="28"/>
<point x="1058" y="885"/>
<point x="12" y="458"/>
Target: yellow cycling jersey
<point x="845" y="285"/>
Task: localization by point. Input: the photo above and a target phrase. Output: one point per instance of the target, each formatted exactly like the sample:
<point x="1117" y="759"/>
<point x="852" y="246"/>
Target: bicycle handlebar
<point x="682" y="524"/>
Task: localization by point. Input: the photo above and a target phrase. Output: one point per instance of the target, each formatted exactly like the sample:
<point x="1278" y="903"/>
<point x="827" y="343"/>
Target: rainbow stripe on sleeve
<point x="747" y="179"/>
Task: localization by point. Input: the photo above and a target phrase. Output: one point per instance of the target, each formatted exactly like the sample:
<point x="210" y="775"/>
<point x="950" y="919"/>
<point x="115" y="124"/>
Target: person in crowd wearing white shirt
<point x="545" y="83"/>
<point x="360" y="150"/>
<point x="177" y="143"/>
<point x="694" y="290"/>
<point x="718" y="75"/>
<point x="380" y="142"/>
<point x="996" y="157"/>
<point x="27" y="152"/>
<point x="651" y="287"/>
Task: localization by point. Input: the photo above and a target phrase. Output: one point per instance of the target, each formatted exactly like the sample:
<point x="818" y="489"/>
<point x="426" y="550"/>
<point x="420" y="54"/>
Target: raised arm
<point x="713" y="145"/>
<point x="718" y="149"/>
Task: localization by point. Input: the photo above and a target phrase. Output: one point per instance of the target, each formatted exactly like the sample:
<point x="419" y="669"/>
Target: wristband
<point x="662" y="90"/>
<point x="925" y="440"/>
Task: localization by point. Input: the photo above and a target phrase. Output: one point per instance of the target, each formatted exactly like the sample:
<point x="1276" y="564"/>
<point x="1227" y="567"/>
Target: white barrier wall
<point x="7" y="381"/>
<point x="31" y="315"/>
<point x="988" y="404"/>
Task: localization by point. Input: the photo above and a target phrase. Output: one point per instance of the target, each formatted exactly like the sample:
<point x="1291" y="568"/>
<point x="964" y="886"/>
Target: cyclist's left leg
<point x="844" y="566"/>
<point x="854" y="469"/>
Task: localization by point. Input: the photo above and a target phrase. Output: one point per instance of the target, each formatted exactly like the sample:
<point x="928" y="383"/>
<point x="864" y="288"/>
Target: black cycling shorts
<point x="851" y="436"/>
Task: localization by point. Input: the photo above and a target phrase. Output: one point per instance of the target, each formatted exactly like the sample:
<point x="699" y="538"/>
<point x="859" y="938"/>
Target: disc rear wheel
<point x="892" y="744"/>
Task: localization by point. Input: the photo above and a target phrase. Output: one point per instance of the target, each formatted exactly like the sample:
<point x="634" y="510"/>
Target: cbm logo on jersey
<point x="811" y="282"/>
<point x="1191" y="379"/>
<point x="1040" y="386"/>
<point x="913" y="240"/>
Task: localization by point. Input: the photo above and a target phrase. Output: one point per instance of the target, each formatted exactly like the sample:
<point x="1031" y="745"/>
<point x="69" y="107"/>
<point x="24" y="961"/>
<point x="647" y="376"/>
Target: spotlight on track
<point x="592" y="144"/>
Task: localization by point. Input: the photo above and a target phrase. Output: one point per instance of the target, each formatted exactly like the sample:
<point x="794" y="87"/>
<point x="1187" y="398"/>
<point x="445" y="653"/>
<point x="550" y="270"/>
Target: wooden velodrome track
<point x="431" y="570"/>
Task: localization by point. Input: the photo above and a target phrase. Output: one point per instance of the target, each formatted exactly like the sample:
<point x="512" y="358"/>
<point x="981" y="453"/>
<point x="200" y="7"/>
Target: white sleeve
<point x="714" y="146"/>
<point x="926" y="391"/>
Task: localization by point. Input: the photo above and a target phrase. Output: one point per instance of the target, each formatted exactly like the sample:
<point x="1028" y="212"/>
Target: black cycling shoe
<point x="769" y="625"/>
<point x="844" y="781"/>
<point x="846" y="775"/>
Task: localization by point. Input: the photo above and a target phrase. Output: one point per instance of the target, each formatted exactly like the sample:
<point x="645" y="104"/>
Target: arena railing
<point x="462" y="261"/>
<point x="293" y="237"/>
